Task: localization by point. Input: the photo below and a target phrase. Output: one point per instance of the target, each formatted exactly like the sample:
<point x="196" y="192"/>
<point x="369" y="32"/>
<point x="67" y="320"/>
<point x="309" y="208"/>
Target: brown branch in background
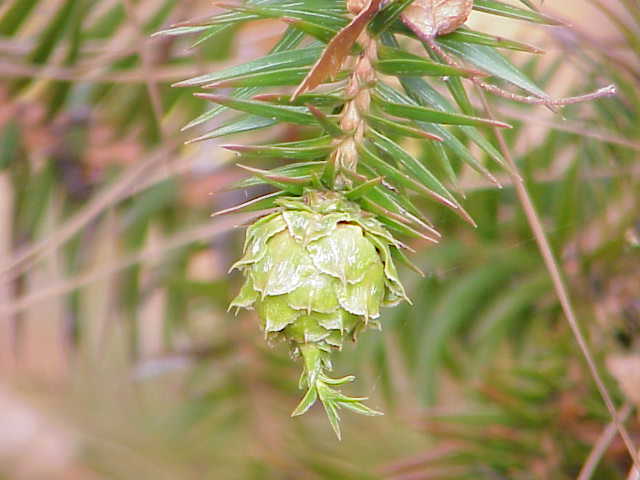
<point x="607" y="91"/>
<point x="569" y="127"/>
<point x="578" y="34"/>
<point x="112" y="194"/>
<point x="603" y="443"/>
<point x="559" y="285"/>
<point x="82" y="73"/>
<point x="7" y="289"/>
<point x="97" y="69"/>
<point x="431" y="474"/>
<point x="146" y="58"/>
<point x="185" y="238"/>
<point x="400" y="467"/>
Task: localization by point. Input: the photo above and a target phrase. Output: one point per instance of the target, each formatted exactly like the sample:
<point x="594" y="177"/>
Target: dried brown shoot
<point x="338" y="50"/>
<point x="436" y="17"/>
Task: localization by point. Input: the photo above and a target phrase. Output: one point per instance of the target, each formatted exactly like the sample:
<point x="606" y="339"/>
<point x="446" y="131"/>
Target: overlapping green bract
<point x="318" y="270"/>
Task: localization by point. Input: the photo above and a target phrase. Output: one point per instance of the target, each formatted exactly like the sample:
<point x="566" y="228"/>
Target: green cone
<point x="317" y="271"/>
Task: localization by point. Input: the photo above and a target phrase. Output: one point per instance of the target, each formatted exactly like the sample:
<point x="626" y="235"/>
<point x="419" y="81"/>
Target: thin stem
<point x="319" y="387"/>
<point x="601" y="446"/>
<point x="147" y="64"/>
<point x="152" y="254"/>
<point x="112" y="194"/>
<point x="559" y="285"/>
<point x="607" y="91"/>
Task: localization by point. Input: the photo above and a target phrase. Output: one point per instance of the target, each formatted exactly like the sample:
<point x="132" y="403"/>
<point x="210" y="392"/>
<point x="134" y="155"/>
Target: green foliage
<point x="484" y="337"/>
<point x="360" y="154"/>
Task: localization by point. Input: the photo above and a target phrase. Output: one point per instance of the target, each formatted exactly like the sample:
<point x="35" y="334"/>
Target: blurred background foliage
<point x="117" y="355"/>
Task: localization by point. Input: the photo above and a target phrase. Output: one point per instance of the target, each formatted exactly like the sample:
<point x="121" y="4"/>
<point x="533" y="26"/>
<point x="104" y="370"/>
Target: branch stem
<point x="353" y="118"/>
<point x="559" y="285"/>
<point x="601" y="446"/>
<point x="607" y="91"/>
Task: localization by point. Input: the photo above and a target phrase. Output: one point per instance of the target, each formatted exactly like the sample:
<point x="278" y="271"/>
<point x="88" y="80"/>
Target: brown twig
<point x="169" y="74"/>
<point x="569" y="127"/>
<point x="601" y="446"/>
<point x="147" y="62"/>
<point x="559" y="285"/>
<point x="23" y="260"/>
<point x="418" y="461"/>
<point x="607" y="91"/>
<point x="185" y="238"/>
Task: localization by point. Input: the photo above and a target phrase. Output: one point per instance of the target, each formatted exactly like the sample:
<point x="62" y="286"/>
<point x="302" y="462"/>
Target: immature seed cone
<point x="317" y="271"/>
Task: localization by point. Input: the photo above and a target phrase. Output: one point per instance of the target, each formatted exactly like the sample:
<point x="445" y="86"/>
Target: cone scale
<point x="317" y="272"/>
